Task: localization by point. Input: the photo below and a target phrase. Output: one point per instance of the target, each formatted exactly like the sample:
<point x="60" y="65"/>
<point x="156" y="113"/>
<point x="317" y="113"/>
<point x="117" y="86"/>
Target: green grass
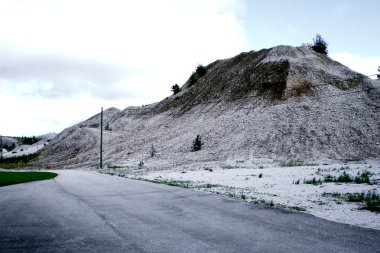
<point x="298" y="208"/>
<point x="177" y="183"/>
<point x="344" y="178"/>
<point x="313" y="181"/>
<point x="18" y="162"/>
<point x="9" y="178"/>
<point x="371" y="200"/>
<point x="362" y="178"/>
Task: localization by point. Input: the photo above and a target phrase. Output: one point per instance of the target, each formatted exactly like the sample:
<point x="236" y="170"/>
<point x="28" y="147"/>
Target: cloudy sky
<point x="61" y="60"/>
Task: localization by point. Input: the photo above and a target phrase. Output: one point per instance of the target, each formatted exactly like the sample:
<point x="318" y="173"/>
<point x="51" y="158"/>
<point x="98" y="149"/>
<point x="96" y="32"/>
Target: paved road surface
<point x="82" y="211"/>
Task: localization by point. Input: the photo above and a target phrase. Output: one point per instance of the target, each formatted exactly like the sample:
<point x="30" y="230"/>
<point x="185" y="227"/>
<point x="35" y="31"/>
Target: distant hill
<point x="286" y="104"/>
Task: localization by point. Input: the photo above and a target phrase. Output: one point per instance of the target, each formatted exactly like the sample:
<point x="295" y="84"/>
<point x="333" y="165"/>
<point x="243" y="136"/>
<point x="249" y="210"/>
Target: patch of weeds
<point x="193" y="79"/>
<point x="228" y="167"/>
<point x="291" y="163"/>
<point x="303" y="87"/>
<point x="152" y="151"/>
<point x="332" y="194"/>
<point x="115" y="167"/>
<point x="243" y="196"/>
<point x="263" y="202"/>
<point x="371" y="200"/>
<point x="329" y="178"/>
<point x="208" y="186"/>
<point x="176" y="183"/>
<point x="231" y="195"/>
<point x="313" y="181"/>
<point x="298" y="208"/>
<point x="363" y="178"/>
<point x="354" y="159"/>
<point x="344" y="178"/>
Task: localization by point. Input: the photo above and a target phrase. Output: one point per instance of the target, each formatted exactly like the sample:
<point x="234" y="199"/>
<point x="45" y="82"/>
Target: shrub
<point x="152" y="151"/>
<point x="320" y="45"/>
<point x="201" y="71"/>
<point x="371" y="200"/>
<point x="141" y="165"/>
<point x="193" y="79"/>
<point x="313" y="181"/>
<point x="363" y="178"/>
<point x="175" y="89"/>
<point x="260" y="175"/>
<point x="197" y="144"/>
<point x="344" y="178"/>
<point x="329" y="179"/>
<point x="296" y="182"/>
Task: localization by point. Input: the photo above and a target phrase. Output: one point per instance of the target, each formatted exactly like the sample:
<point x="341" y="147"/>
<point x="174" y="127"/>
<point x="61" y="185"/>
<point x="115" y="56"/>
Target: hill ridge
<point x="283" y="103"/>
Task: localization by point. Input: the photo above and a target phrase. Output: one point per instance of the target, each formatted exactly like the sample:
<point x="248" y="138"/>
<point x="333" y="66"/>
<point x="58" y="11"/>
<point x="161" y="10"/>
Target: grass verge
<point x="177" y="183"/>
<point x="9" y="178"/>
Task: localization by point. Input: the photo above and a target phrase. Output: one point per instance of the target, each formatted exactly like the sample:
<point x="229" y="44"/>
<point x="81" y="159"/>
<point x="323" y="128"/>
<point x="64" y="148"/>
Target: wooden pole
<point x="101" y="138"/>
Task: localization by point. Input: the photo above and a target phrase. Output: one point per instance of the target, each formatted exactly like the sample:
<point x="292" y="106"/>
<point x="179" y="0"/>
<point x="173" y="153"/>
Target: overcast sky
<point x="60" y="61"/>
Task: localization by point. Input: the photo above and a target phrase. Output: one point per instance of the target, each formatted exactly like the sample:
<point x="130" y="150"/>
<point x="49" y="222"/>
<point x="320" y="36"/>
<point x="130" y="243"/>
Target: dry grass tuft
<point x="303" y="87"/>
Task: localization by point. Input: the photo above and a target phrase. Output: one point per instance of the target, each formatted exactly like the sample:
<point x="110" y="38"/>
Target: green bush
<point x="320" y="45"/>
<point x="197" y="144"/>
<point x="175" y="89"/>
<point x="344" y="178"/>
<point x="363" y="178"/>
<point x="371" y="200"/>
<point x="193" y="79"/>
<point x="313" y="181"/>
<point x="201" y="71"/>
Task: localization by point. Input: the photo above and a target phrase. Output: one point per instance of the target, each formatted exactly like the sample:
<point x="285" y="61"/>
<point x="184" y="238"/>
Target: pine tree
<point x="152" y="151"/>
<point x="201" y="71"/>
<point x="320" y="45"/>
<point x="175" y="89"/>
<point x="197" y="144"/>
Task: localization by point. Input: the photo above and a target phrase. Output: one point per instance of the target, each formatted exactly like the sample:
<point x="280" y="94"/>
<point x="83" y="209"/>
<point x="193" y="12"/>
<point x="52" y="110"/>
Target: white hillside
<point x="281" y="104"/>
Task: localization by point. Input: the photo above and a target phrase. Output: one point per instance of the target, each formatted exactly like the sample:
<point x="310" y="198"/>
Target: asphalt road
<point x="82" y="211"/>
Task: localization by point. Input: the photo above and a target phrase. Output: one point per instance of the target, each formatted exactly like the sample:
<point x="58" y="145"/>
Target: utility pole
<point x="101" y="138"/>
<point x="1" y="147"/>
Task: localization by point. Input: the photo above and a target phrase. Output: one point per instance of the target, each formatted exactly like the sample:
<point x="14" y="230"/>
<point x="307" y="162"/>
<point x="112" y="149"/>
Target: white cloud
<point x="365" y="65"/>
<point x="92" y="53"/>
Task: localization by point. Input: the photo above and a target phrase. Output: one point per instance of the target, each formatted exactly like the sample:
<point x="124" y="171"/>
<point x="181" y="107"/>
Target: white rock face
<point x="283" y="104"/>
